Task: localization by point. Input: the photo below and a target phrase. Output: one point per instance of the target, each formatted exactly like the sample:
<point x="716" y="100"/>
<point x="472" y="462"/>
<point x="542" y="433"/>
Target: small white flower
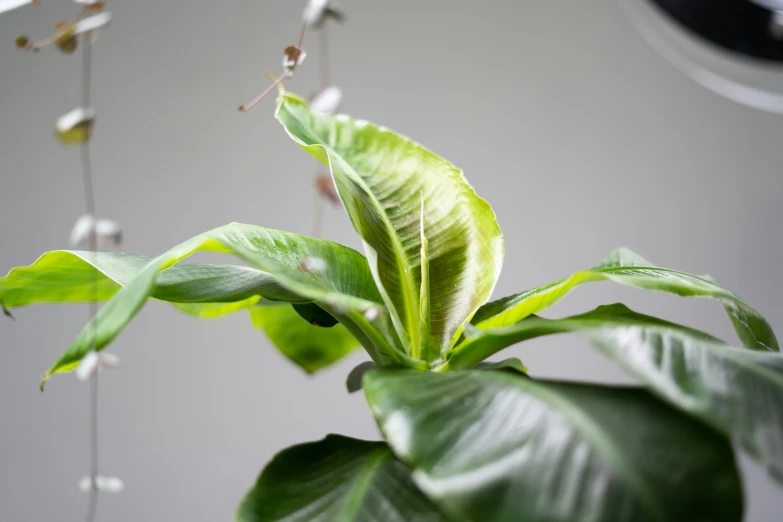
<point x="10" y="5"/>
<point x="318" y="11"/>
<point x="94" y="363"/>
<point x="86" y="2"/>
<point x="312" y="264"/>
<point x="327" y="100"/>
<point x="371" y="314"/>
<point x="105" y="230"/>
<point x="101" y="483"/>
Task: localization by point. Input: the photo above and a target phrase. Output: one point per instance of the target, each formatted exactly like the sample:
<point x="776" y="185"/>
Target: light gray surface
<point x="576" y="132"/>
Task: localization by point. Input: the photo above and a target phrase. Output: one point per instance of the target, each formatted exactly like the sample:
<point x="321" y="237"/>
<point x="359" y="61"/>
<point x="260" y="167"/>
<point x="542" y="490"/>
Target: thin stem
<point x="245" y="108"/>
<point x="304" y="26"/>
<point x="324" y="52"/>
<point x="89" y="203"/>
<point x="93" y="502"/>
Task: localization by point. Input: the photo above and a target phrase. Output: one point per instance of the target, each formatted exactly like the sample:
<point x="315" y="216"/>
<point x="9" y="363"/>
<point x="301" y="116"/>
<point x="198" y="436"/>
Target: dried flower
<point x="101" y="483"/>
<point x="105" y="230"/>
<point x="293" y="57"/>
<point x="22" y="41"/>
<point x="94" y="363"/>
<point x="318" y="12"/>
<point x="66" y="33"/>
<point x="74" y="128"/>
<point x="10" y="5"/>
<point x="327" y="100"/>
<point x="325" y="187"/>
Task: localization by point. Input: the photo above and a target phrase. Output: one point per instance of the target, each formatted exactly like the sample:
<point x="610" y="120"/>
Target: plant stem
<point x="89" y="203"/>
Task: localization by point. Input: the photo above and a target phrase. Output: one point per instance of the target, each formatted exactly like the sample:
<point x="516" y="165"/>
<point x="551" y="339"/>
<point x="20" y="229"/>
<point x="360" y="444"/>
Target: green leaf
<point x="499" y="447"/>
<point x="737" y="391"/>
<point x="311" y="347"/>
<point x="353" y="383"/>
<point x="627" y="268"/>
<point x="512" y="364"/>
<point x="202" y="290"/>
<point x="336" y="480"/>
<point x="340" y="282"/>
<point x="315" y="315"/>
<point x="379" y="176"/>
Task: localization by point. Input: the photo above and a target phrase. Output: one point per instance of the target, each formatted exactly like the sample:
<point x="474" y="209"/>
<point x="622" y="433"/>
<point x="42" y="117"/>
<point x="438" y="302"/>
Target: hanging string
<point x="89" y="203"/>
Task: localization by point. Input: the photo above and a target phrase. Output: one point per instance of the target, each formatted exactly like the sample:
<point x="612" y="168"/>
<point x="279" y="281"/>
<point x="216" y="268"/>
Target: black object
<point x="315" y="315"/>
<point x="743" y="27"/>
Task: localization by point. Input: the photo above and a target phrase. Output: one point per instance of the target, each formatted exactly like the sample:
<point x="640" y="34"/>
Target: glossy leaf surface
<point x="499" y="447"/>
<point x="627" y="268"/>
<point x="336" y="479"/>
<point x="342" y="284"/>
<point x="72" y="276"/>
<point x="737" y="391"/>
<point x="381" y="178"/>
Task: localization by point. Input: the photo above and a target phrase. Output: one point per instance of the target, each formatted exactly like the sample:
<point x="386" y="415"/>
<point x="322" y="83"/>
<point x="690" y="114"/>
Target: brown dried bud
<point x="65" y="37"/>
<point x="292" y="57"/>
<point x="325" y="187"/>
<point x="22" y="41"/>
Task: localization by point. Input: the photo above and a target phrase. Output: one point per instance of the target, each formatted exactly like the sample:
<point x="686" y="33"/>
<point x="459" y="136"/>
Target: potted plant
<point x="462" y="439"/>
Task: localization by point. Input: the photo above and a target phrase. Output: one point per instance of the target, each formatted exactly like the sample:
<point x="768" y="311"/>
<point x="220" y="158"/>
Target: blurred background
<point x="578" y="133"/>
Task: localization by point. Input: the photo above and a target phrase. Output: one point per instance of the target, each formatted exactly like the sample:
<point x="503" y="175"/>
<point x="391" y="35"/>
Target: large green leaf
<point x="202" y="290"/>
<point x="311" y="347"/>
<point x="628" y="268"/>
<point x="381" y="178"/>
<point x="737" y="391"/>
<point x="205" y="291"/>
<point x="336" y="480"/>
<point x="334" y="276"/>
<point x="496" y="446"/>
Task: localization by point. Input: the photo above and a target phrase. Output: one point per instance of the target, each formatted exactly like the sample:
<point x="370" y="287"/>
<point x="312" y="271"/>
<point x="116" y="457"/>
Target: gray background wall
<point x="579" y="135"/>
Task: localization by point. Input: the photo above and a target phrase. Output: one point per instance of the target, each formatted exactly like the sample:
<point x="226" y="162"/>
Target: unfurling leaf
<point x="381" y="184"/>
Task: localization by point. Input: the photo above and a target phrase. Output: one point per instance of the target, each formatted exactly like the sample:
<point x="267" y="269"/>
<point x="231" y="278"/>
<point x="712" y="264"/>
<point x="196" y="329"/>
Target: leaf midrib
<point x="403" y="267"/>
<point x="356" y="494"/>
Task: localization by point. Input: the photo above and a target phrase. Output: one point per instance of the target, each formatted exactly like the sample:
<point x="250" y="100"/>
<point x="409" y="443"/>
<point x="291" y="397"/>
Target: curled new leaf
<point x="382" y="178"/>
